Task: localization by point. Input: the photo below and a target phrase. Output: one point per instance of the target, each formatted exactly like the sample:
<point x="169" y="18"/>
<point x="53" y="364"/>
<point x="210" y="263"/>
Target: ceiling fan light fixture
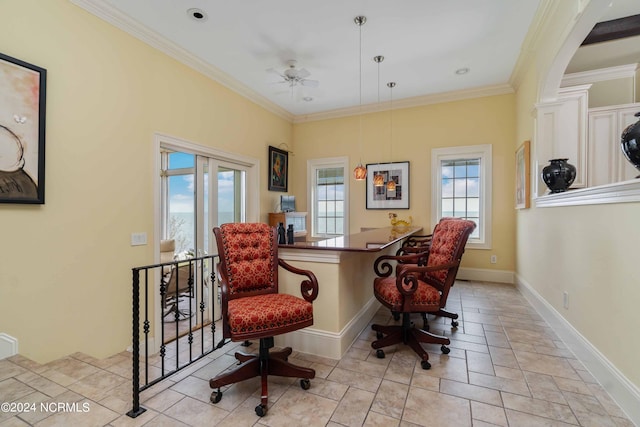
<point x="197" y="15"/>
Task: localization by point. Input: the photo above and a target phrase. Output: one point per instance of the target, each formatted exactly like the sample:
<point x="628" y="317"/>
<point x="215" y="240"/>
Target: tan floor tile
<point x="12" y="390"/>
<point x="528" y="405"/>
<point x="574" y="386"/>
<point x="479" y="362"/>
<point x="194" y="387"/>
<point x="379" y="420"/>
<point x="9" y="369"/>
<point x="33" y="413"/>
<point x="351" y="378"/>
<point x="353" y="408"/>
<point x="13" y="422"/>
<point x="428" y="408"/>
<point x="490" y="414"/>
<point x="97" y="386"/>
<point x="163" y="400"/>
<point x="361" y="366"/>
<point x="443" y="366"/>
<point x="550" y="365"/>
<point x="41" y="384"/>
<point x="471" y="392"/>
<point x="146" y="418"/>
<point x="196" y="413"/>
<point x="390" y="399"/>
<point x="588" y="410"/>
<point x="329" y="389"/>
<point x="503" y="357"/>
<point x="522" y="419"/>
<point x="165" y="421"/>
<point x="499" y="383"/>
<point x="298" y="408"/>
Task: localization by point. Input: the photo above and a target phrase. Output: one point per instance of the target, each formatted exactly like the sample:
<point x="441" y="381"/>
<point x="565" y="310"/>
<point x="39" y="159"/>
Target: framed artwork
<point x="22" y="126"/>
<point x="278" y="169"/>
<point x="523" y="175"/>
<point x="378" y="197"/>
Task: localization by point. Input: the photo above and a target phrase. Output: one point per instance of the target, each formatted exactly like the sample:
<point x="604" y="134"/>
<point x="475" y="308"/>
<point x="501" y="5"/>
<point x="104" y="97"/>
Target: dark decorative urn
<point x="558" y="175"/>
<point x="630" y="143"/>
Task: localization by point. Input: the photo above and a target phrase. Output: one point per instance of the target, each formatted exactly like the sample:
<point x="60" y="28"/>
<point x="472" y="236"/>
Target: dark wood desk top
<point x="367" y="241"/>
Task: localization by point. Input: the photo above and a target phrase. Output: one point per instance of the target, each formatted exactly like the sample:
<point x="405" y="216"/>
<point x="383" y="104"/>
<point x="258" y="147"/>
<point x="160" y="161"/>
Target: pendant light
<point x="378" y="180"/>
<point x="360" y="172"/>
<point x="391" y="184"/>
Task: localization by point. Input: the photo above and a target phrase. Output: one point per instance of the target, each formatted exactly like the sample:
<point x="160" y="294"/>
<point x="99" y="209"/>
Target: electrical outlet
<point x="494" y="259"/>
<point x="565" y="299"/>
<point x="138" y="239"/>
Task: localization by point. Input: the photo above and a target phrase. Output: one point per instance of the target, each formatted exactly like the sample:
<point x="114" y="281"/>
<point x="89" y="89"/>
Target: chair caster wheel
<point x="379" y="335"/>
<point x="445" y="349"/>
<point x="305" y="384"/>
<point x="380" y="354"/>
<point x="261" y="410"/>
<point x="454" y="323"/>
<point x="216" y="396"/>
<point x="425" y="364"/>
<point x="246" y="343"/>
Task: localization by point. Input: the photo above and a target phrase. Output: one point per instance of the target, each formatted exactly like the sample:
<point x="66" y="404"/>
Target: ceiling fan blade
<point x="274" y="71"/>
<point x="310" y="83"/>
<point x="302" y="73"/>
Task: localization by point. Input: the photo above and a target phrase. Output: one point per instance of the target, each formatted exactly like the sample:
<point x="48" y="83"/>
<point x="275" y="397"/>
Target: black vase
<point x="630" y="143"/>
<point x="558" y="175"/>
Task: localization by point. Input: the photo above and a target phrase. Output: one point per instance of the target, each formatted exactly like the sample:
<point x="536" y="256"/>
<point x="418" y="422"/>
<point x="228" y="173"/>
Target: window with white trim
<point x="328" y="186"/>
<point x="461" y="188"/>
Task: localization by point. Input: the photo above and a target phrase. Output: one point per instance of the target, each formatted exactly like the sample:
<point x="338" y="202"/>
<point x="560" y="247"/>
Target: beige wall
<point x="488" y="120"/>
<point x="612" y="92"/>
<point x="587" y="251"/>
<point x="65" y="275"/>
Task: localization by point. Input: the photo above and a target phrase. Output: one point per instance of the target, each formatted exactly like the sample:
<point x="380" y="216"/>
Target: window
<point x="462" y="188"/>
<point x="328" y="193"/>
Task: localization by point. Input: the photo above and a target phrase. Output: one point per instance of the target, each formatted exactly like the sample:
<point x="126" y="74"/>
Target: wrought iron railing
<point x="186" y="331"/>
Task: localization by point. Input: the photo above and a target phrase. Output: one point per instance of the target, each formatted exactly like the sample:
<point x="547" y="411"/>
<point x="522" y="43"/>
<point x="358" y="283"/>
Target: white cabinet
<point x="561" y="132"/>
<point x="606" y="161"/>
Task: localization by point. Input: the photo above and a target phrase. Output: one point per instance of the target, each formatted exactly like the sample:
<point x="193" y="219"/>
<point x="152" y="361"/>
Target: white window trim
<point x="328" y="162"/>
<point x="484" y="152"/>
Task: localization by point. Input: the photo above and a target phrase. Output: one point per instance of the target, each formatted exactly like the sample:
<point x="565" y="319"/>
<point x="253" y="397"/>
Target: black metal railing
<point x="187" y="321"/>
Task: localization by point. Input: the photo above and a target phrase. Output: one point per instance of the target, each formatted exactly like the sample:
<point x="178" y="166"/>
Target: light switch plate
<point x="138" y="239"/>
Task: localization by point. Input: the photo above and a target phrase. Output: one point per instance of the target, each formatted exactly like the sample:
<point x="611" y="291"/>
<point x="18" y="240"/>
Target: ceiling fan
<point x="294" y="76"/>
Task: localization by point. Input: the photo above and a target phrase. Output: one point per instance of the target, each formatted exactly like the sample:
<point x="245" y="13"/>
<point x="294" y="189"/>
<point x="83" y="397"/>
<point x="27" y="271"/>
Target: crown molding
<point x="416" y="101"/>
<point x="119" y="20"/>
<point x="602" y="74"/>
<point x="531" y="41"/>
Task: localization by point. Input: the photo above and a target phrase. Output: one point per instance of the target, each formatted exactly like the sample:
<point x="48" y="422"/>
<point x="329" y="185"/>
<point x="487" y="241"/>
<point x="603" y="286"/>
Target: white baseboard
<point x="8" y="346"/>
<point x="623" y="391"/>
<point x="329" y="344"/>
<point x="486" y="275"/>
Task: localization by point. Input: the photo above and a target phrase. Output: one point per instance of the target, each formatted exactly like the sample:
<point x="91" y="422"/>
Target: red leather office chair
<point x="419" y="288"/>
<point x="252" y="307"/>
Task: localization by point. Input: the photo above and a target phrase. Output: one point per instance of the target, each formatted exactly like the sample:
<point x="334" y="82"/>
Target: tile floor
<point x="506" y="368"/>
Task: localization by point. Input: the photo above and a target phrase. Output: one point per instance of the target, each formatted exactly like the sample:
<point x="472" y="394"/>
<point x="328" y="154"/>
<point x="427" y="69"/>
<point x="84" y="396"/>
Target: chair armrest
<point x="416" y="241"/>
<point x="309" y="286"/>
<point x="413" y="270"/>
<point x="383" y="268"/>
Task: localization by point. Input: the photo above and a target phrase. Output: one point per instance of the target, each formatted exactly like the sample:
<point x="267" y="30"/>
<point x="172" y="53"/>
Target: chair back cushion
<point x="447" y="245"/>
<point x="248" y="254"/>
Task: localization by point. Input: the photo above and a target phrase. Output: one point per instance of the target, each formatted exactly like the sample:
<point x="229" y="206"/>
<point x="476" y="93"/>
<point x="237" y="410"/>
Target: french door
<point x="200" y="188"/>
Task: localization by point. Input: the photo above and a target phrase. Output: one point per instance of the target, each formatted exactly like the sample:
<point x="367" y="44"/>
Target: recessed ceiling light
<point x="307" y="99"/>
<point x="461" y="71"/>
<point x="197" y="14"/>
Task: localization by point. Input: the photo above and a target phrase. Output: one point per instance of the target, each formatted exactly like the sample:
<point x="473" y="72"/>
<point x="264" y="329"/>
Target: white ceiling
<point x="424" y="42"/>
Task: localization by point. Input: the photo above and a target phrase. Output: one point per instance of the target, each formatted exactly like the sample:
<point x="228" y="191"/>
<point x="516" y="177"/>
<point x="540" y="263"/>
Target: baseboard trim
<point x="8" y="346"/>
<point x="486" y="275"/>
<point x="329" y="344"/>
<point x="623" y="391"/>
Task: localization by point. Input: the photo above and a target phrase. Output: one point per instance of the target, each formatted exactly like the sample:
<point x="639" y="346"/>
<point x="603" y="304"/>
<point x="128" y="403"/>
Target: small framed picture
<point x="523" y="175"/>
<point x="379" y="196"/>
<point x="278" y="169"/>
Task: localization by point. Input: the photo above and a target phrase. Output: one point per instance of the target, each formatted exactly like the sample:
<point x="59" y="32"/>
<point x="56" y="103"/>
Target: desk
<point x="345" y="303"/>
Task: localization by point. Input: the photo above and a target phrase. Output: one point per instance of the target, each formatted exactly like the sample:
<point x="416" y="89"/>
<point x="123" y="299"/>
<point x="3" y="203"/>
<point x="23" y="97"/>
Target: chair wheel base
<point x="380" y="354"/>
<point x="261" y="410"/>
<point x="305" y="384"/>
<point x="379" y="335"/>
<point x="425" y="364"/>
<point x="445" y="349"/>
<point x="216" y="396"/>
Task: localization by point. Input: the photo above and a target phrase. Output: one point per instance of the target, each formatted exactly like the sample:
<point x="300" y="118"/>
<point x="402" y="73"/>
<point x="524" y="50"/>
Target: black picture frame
<point x="379" y="197"/>
<point x="278" y="169"/>
<point x="22" y="131"/>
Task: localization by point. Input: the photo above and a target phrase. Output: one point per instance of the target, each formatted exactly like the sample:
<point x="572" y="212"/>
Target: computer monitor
<point x="288" y="203"/>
